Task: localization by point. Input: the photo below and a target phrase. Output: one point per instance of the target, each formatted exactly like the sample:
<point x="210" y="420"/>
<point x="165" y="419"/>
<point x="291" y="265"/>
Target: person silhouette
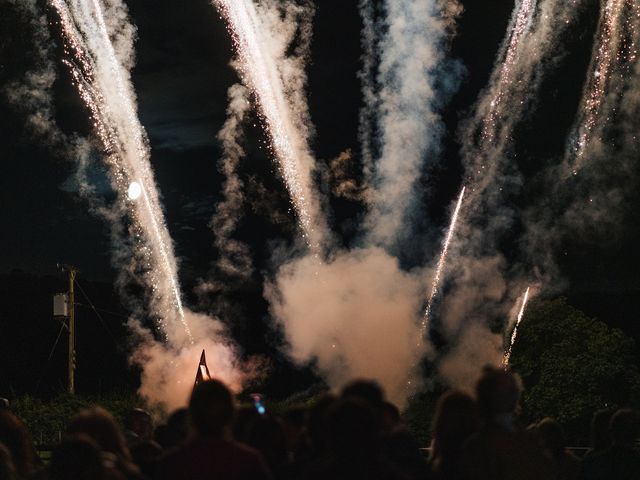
<point x="210" y="452"/>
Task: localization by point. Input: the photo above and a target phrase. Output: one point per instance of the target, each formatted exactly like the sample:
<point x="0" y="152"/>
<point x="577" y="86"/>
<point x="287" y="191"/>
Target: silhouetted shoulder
<point x="213" y="458"/>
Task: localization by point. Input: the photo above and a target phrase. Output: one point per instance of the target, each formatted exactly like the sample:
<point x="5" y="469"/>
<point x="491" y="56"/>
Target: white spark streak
<point x="435" y="286"/>
<point x="514" y="334"/>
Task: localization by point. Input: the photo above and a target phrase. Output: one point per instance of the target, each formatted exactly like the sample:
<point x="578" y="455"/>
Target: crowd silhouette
<point x="355" y="434"/>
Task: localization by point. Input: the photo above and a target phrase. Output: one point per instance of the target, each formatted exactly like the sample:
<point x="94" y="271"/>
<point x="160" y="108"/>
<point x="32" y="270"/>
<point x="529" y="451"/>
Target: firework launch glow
<point x="104" y="86"/>
<point x="514" y="334"/>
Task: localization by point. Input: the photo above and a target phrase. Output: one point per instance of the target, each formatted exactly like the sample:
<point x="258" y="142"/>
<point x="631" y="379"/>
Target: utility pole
<point x="72" y="329"/>
<point x="64" y="307"/>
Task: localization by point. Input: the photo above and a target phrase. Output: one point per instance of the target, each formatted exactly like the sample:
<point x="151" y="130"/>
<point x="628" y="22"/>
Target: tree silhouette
<point x="573" y="365"/>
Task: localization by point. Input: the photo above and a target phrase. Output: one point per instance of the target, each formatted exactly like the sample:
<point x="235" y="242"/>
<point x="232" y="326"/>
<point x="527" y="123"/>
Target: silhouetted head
<point x="600" y="436"/>
<point x="15" y="436"/>
<point x="175" y="430"/>
<point x="353" y="428"/>
<point x="390" y="417"/>
<point x="211" y="408"/>
<point x="317" y="423"/>
<point x="99" y="424"/>
<point x="139" y="422"/>
<point x="77" y="457"/>
<point x="267" y="435"/>
<point x="497" y="391"/>
<point x="625" y="427"/>
<point x="455" y="420"/>
<point x="246" y="416"/>
<point x="368" y="391"/>
<point x="552" y="436"/>
<point x="295" y="422"/>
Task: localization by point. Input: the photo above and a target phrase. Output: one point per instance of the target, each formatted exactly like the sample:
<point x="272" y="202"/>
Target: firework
<point x="616" y="47"/>
<point x="514" y="334"/>
<point x="521" y="22"/>
<point x="103" y="84"/>
<point x="260" y="71"/>
<point x="435" y="286"/>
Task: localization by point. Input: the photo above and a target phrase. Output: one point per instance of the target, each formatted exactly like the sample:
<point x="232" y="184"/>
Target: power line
<point x="104" y="324"/>
<point x="46" y="365"/>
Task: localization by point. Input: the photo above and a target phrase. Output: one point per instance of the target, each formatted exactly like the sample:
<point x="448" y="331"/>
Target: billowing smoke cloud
<point x="475" y="348"/>
<point x="169" y="369"/>
<point x="412" y="62"/>
<point x="356" y="315"/>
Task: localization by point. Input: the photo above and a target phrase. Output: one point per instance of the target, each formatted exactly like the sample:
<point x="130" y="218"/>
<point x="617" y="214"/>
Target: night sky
<point x="181" y="78"/>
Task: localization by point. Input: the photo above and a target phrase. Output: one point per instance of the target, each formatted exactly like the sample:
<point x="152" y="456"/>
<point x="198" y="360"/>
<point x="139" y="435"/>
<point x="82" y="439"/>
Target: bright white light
<point x="134" y="191"/>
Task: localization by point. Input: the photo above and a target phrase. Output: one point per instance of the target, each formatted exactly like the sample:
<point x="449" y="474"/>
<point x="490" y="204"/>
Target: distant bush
<point x="47" y="419"/>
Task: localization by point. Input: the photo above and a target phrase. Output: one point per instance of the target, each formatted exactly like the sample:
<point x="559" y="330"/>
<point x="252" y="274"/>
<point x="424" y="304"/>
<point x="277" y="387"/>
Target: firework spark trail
<point x="615" y="44"/>
<point x="260" y="71"/>
<point x="104" y="86"/>
<point x="520" y="25"/>
<point x="435" y="286"/>
<point x="514" y="334"/>
<point x="536" y="34"/>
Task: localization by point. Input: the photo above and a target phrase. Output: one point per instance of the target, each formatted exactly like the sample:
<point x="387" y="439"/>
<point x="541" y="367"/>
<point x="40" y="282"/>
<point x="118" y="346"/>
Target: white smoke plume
<point x="366" y="129"/>
<point x="234" y="256"/>
<point x="412" y="51"/>
<point x="356" y="315"/>
<point x="32" y="93"/>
